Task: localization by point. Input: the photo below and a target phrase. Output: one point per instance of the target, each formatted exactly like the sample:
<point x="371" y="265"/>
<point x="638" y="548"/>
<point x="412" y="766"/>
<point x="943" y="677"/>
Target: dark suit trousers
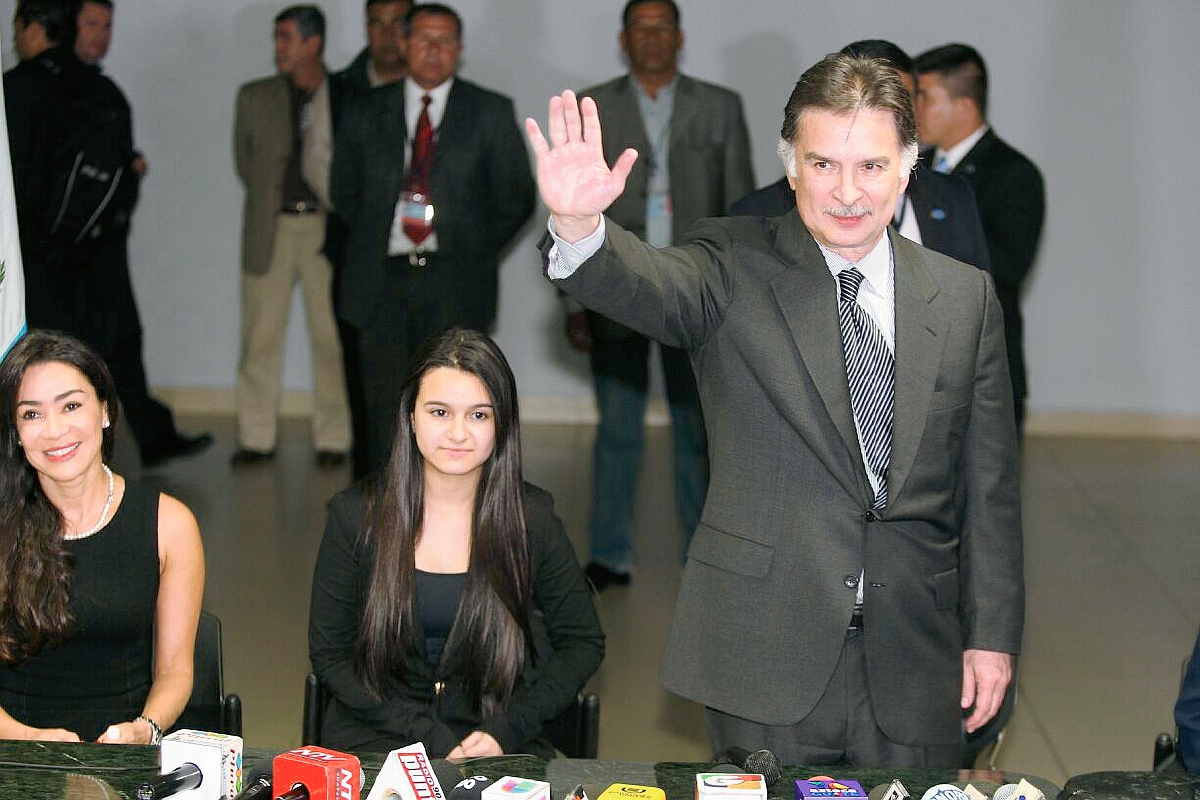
<point x="91" y="298"/>
<point x="620" y="371"/>
<point x="418" y="306"/>
<point x="841" y="729"/>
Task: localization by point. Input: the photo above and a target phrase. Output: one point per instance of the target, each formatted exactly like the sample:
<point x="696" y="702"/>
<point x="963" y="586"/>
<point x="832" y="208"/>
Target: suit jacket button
<point x="870" y="516"/>
<point x="850" y="581"/>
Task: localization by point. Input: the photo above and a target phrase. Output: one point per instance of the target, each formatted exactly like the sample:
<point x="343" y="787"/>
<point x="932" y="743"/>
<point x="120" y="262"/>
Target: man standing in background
<point x="380" y="62"/>
<point x="697" y="164"/>
<point x="55" y="98"/>
<point x="282" y="138"/>
<point x="951" y="109"/>
<point x="433" y="177"/>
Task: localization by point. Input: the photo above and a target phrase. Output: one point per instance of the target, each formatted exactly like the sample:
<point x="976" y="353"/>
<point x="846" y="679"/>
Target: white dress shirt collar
<point x="956" y="154"/>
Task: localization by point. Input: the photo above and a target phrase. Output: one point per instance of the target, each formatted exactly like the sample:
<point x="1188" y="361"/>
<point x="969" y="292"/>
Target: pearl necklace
<point x="103" y="514"/>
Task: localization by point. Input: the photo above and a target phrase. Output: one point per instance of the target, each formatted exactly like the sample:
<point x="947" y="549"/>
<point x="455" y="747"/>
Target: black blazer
<point x="945" y="208"/>
<point x="573" y="644"/>
<point x="1011" y="197"/>
<point x="481" y="186"/>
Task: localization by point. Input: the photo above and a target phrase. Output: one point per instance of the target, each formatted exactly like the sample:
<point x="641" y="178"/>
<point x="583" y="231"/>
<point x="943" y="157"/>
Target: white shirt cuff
<point x="565" y="258"/>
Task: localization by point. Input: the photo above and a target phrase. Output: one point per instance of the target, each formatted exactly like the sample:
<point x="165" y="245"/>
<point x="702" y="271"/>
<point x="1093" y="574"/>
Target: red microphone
<point x="314" y="773"/>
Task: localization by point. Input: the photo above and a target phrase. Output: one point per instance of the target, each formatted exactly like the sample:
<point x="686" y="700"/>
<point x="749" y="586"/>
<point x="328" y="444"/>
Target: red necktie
<point x="417" y="182"/>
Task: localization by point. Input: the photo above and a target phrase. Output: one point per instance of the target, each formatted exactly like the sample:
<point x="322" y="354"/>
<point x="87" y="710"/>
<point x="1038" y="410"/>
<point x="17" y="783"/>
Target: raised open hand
<point x="575" y="183"/>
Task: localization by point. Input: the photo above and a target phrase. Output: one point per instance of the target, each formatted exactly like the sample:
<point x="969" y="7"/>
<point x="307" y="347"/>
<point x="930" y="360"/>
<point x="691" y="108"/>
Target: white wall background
<point x="1099" y="93"/>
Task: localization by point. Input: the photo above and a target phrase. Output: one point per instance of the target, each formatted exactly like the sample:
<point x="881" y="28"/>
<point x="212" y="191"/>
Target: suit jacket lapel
<point x="682" y="110"/>
<point x="808" y="302"/>
<point x="454" y="126"/>
<point x="920" y="339"/>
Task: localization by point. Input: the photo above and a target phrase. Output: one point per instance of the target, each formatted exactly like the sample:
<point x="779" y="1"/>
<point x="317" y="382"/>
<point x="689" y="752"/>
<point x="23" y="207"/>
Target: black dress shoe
<point x="602" y="577"/>
<point x="244" y="456"/>
<point x="174" y="446"/>
<point x="330" y="458"/>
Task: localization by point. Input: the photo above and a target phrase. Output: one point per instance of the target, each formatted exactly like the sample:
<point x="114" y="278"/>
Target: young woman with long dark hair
<point x="100" y="579"/>
<point x="448" y="606"/>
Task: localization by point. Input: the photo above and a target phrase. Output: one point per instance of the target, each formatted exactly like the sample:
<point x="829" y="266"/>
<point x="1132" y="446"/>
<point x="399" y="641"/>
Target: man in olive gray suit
<point x="698" y="163"/>
<point x="281" y="137"/>
<point x="854" y="590"/>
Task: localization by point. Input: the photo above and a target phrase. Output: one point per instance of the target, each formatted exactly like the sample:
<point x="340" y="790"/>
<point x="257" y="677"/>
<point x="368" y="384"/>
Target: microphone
<point x="823" y="787"/>
<point x="314" y="773"/>
<point x="181" y="779"/>
<point x="726" y="786"/>
<point x="512" y="788"/>
<point x="469" y="788"/>
<point x="258" y="783"/>
<point x="1019" y="791"/>
<point x="889" y="791"/>
<point x="945" y="791"/>
<point x="197" y="766"/>
<point x="407" y="775"/>
<point x="762" y="762"/>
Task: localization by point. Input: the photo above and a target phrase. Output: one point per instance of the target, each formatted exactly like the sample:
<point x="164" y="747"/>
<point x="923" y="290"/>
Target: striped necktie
<point x="871" y="371"/>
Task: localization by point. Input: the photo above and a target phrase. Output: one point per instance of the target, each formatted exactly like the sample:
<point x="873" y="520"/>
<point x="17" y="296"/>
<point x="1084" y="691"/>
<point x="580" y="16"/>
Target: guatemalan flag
<point x="12" y="276"/>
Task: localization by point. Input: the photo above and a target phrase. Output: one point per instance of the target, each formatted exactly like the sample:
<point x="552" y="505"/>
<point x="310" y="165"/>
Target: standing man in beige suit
<point x="282" y="141"/>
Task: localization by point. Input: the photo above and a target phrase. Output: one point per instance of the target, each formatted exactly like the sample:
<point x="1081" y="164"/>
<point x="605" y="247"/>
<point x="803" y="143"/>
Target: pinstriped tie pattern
<point x="871" y="371"/>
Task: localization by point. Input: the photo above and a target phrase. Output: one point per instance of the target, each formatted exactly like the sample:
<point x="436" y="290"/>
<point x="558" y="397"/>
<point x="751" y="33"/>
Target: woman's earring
<point x="106" y="424"/>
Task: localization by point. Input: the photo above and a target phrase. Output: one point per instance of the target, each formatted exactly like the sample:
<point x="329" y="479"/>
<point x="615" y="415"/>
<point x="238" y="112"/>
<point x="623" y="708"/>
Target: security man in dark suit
<point x="951" y="108"/>
<point x="434" y="179"/>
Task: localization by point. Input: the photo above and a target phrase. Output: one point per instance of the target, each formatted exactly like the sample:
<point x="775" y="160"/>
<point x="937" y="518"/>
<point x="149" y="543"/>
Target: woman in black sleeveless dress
<point x="100" y="579"/>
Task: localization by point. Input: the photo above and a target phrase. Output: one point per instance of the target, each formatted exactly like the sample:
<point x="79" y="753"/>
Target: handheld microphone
<point x="258" y="783"/>
<point x="823" y="787"/>
<point x="762" y="762"/>
<point x="889" y="791"/>
<point x="469" y="788"/>
<point x="197" y="766"/>
<point x="314" y="773"/>
<point x="181" y="779"/>
<point x="407" y="774"/>
<point x="513" y="788"/>
<point x="945" y="791"/>
<point x="1018" y="791"/>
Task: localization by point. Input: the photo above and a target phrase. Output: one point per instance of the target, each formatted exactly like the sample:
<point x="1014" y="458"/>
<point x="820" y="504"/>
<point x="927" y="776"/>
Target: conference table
<point x="58" y="771"/>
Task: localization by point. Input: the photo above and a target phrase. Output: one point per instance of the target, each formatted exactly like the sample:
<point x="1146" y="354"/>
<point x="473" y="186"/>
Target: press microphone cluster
<point x="1010" y="791"/>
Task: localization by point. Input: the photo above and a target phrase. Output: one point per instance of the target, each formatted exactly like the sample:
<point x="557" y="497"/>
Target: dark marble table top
<point x="1132" y="786"/>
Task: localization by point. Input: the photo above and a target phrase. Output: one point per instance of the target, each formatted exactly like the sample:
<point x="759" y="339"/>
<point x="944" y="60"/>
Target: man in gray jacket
<point x="698" y="163"/>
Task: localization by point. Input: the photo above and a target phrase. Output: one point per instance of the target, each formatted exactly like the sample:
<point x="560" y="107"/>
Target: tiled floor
<point x="1112" y="554"/>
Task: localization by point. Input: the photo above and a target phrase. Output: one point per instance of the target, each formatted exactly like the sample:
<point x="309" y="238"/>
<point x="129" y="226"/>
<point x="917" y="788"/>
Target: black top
<point x="438" y="595"/>
<point x="567" y="637"/>
<point x="102" y="673"/>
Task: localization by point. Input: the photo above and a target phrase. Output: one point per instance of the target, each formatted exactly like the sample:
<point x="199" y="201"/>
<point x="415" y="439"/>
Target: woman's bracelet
<point x="155" y="730"/>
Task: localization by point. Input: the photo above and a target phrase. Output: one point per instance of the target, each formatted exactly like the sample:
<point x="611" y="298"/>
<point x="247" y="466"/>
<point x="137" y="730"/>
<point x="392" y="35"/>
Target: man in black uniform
<point x="86" y="290"/>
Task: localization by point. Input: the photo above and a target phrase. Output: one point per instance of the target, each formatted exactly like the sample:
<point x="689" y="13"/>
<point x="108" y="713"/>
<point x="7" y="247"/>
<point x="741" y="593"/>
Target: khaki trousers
<point x="266" y="300"/>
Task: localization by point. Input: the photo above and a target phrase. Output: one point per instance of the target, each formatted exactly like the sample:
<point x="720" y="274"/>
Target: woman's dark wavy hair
<point x="491" y="637"/>
<point x="34" y="569"/>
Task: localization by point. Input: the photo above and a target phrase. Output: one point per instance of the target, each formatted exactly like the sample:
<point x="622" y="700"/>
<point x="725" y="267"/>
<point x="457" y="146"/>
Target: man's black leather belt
<point x="300" y="208"/>
<point x="415" y="258"/>
<point x="856" y="620"/>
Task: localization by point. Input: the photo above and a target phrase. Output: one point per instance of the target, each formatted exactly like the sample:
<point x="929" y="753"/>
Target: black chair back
<point x="209" y="708"/>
